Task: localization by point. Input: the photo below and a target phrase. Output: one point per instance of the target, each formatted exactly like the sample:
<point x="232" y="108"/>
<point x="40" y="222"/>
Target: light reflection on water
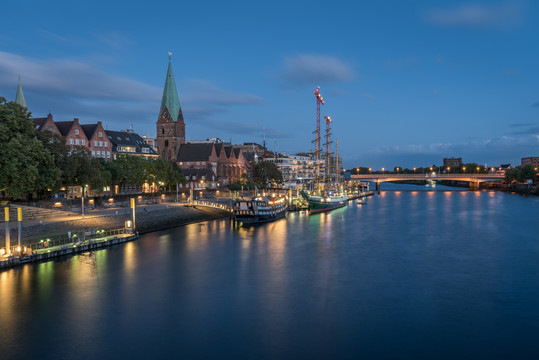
<point x="455" y="272"/>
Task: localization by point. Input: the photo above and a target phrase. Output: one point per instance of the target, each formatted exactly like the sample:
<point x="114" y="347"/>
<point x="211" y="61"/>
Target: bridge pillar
<point x="377" y="186"/>
<point x="474" y="185"/>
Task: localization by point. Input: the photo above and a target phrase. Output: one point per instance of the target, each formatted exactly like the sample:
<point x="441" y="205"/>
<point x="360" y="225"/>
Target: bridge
<point x="473" y="179"/>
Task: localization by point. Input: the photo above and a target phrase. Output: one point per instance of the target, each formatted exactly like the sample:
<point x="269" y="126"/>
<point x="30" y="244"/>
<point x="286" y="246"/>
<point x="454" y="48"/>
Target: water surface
<point x="412" y="274"/>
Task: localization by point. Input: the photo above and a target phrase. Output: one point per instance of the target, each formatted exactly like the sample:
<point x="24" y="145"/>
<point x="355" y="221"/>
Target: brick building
<point x="532" y="160"/>
<point x="226" y="161"/>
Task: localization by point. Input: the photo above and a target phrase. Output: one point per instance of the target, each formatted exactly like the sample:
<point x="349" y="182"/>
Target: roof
<point x="199" y="174"/>
<point x="170" y="96"/>
<point x="64" y="126"/>
<point x="89" y="130"/>
<point x="19" y="98"/>
<point x="195" y="152"/>
<point x="39" y="122"/>
<point x="131" y="139"/>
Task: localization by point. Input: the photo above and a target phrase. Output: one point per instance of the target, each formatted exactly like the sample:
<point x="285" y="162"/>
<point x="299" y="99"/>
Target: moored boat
<point x="259" y="209"/>
<point x="325" y="201"/>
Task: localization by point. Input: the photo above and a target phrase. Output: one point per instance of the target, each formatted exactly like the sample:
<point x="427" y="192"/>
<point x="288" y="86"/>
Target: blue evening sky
<point x="406" y="83"/>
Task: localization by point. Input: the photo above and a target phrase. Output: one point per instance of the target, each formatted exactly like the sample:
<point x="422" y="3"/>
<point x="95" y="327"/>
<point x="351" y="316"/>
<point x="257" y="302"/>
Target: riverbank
<point x="148" y="218"/>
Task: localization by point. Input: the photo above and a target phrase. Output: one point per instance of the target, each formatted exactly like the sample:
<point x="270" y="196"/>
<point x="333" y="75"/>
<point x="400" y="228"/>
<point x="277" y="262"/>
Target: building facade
<point x="226" y="161"/>
<point x="452" y="162"/>
<point x="531" y="160"/>
<point x="129" y="143"/>
<point x="170" y="123"/>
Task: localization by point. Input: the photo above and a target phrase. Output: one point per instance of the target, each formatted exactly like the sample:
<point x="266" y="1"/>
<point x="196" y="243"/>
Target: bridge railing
<point x="428" y="176"/>
<point x="213" y="204"/>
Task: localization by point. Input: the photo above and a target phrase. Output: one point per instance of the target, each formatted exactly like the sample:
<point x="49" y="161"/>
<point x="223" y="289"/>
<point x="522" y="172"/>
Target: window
<point x="83" y="142"/>
<point x="95" y="143"/>
<point x="166" y="142"/>
<point x="93" y="153"/>
<point x="108" y="154"/>
<point x="146" y="150"/>
<point x="100" y="134"/>
<point x="101" y="144"/>
<point x="105" y="144"/>
<point x="163" y="131"/>
<point x="71" y="141"/>
<point x="102" y="154"/>
<point x="76" y="141"/>
<point x="76" y="132"/>
<point x="119" y="138"/>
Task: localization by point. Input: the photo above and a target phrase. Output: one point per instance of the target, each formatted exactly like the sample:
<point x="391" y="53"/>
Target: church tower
<point x="19" y="98"/>
<point x="170" y="124"/>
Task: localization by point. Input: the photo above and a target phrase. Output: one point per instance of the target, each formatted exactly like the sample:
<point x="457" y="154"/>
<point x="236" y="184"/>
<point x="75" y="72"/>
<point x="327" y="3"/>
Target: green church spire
<point x="170" y="95"/>
<point x="19" y="99"/>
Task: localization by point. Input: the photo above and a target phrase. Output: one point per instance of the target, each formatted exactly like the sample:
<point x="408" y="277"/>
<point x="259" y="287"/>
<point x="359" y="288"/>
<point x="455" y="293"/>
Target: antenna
<point x="169" y="55"/>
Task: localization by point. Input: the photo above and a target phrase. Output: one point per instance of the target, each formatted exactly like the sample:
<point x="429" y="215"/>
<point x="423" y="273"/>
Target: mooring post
<point x="19" y="220"/>
<point x="133" y="213"/>
<point x="8" y="243"/>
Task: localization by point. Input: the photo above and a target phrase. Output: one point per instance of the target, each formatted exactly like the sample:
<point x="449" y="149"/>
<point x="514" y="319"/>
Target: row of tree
<point x="521" y="174"/>
<point x="42" y="163"/>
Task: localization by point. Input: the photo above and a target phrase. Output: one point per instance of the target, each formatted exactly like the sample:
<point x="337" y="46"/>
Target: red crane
<point x="319" y="101"/>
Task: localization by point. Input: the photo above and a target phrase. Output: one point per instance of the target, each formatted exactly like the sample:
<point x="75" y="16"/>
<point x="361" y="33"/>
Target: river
<point x="438" y="274"/>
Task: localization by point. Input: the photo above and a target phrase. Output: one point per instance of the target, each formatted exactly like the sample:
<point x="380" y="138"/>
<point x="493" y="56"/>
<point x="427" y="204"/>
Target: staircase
<point x="34" y="213"/>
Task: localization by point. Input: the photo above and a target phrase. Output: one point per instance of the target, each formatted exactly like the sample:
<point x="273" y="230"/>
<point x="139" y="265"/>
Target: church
<point x="225" y="161"/>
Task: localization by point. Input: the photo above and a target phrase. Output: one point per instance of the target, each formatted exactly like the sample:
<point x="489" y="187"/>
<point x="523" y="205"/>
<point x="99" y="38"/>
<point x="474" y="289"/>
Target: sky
<point x="406" y="83"/>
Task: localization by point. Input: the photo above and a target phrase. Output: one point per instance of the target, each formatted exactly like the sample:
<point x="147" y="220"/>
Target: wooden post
<point x="133" y="212"/>
<point x="8" y="243"/>
<point x="19" y="219"/>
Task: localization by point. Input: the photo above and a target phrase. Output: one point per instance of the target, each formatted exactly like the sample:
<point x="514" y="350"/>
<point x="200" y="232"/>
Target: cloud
<point x="114" y="40"/>
<point x="508" y="148"/>
<point x="311" y="69"/>
<point x="249" y="129"/>
<point x="530" y="130"/>
<point x="71" y="78"/>
<point x="200" y="91"/>
<point x="72" y="88"/>
<point x="478" y="15"/>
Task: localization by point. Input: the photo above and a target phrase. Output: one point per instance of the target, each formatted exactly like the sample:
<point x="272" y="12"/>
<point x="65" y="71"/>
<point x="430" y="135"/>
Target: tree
<point x="266" y="172"/>
<point x="527" y="172"/>
<point x="26" y="166"/>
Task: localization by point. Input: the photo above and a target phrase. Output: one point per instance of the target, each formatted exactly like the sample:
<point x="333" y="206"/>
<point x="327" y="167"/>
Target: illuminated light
<point x="57" y="204"/>
<point x="111" y="200"/>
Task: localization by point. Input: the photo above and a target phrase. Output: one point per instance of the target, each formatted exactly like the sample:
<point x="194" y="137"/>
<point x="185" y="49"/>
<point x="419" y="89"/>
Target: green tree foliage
<point x="25" y="165"/>
<point x="135" y="170"/>
<point x="520" y="174"/>
<point x="266" y="172"/>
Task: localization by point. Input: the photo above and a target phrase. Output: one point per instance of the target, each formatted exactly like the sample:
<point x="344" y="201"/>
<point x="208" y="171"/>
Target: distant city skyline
<point x="406" y="84"/>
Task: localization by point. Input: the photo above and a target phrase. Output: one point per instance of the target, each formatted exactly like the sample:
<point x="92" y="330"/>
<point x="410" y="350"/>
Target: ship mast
<point x="328" y="153"/>
<point x="319" y="101"/>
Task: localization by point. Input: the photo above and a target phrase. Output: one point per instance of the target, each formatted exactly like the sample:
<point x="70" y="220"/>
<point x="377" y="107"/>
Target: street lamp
<point x="463" y="169"/>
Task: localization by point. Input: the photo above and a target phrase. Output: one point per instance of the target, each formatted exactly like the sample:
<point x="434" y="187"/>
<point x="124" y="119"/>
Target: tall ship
<point x="326" y="197"/>
<point x="259" y="209"/>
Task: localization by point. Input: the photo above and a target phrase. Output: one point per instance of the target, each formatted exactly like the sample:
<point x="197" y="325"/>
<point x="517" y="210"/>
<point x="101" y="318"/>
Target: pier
<point x="49" y="249"/>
